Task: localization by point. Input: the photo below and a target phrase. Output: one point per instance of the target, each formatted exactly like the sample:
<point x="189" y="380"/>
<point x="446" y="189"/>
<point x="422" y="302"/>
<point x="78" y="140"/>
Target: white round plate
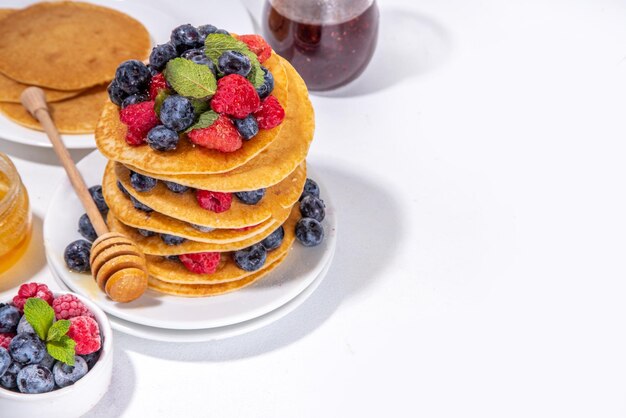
<point x="210" y="334"/>
<point x="159" y="17"/>
<point x="154" y="309"/>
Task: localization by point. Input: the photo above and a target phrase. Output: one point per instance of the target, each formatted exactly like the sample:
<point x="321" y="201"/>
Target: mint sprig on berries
<point x="217" y="43"/>
<point x="41" y="317"/>
<point x="204" y="121"/>
<point x="190" y="79"/>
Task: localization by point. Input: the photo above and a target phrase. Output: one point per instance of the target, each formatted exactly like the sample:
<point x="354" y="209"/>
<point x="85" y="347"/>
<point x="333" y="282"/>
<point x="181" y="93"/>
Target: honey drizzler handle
<point x="117" y="264"/>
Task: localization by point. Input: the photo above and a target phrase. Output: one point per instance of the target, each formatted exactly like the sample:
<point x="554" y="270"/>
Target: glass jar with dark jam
<point x="329" y="42"/>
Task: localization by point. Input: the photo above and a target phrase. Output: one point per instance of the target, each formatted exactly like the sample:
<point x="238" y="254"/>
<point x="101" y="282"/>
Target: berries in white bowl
<point x="55" y="349"/>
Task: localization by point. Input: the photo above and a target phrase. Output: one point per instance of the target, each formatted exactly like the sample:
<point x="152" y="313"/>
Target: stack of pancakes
<point x="71" y="51"/>
<point x="274" y="159"/>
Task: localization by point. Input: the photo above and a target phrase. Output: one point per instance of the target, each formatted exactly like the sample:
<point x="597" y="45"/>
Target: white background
<point x="478" y="169"/>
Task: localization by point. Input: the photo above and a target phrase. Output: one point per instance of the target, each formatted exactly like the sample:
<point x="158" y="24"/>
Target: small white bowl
<point x="74" y="400"/>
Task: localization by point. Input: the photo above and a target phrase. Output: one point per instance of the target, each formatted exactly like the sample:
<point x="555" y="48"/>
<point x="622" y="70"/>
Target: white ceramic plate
<point x="210" y="334"/>
<point x="153" y="309"/>
<point x="159" y="17"/>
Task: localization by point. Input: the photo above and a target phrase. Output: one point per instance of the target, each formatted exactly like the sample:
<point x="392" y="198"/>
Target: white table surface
<point x="478" y="169"/>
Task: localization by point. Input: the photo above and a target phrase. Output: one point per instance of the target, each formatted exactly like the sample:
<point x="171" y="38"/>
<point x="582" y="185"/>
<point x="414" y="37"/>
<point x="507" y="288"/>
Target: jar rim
<point x="8" y="168"/>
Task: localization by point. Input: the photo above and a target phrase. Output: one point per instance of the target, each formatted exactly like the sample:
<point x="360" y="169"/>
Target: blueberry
<point x="202" y="228"/>
<point x="273" y="240"/>
<point x="65" y="375"/>
<point x="206" y="30"/>
<point x="222" y="31"/>
<point x="153" y="71"/>
<point x="313" y="207"/>
<point x="134" y="99"/>
<point x="173" y="258"/>
<point x="35" y="379"/>
<point x="122" y="188"/>
<point x="310" y="189"/>
<point x="234" y="62"/>
<point x="140" y="206"/>
<point x="172" y="239"/>
<point x="98" y="198"/>
<point x="91" y="359"/>
<point x="116" y="94"/>
<point x="48" y="361"/>
<point x="24" y="326"/>
<point x="161" y="54"/>
<point x="142" y="183"/>
<point x="204" y="60"/>
<point x="309" y="232"/>
<point x="177" y="113"/>
<point x="251" y="258"/>
<point x="27" y="348"/>
<point x="247" y="127"/>
<point x="86" y="229"/>
<point x="161" y="138"/>
<point x="5" y="360"/>
<point x="185" y="37"/>
<point x="267" y="87"/>
<point x="175" y="187"/>
<point x="9" y="317"/>
<point x="251" y="197"/>
<point x="133" y="76"/>
<point x="146" y="233"/>
<point x="9" y="378"/>
<point x="77" y="255"/>
<point x="190" y="53"/>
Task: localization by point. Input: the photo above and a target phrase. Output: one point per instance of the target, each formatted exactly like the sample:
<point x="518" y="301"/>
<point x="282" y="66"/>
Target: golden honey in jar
<point x="15" y="216"/>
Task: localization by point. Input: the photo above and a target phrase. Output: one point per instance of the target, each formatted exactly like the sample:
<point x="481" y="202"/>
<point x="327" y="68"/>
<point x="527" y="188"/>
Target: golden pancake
<point x="187" y="157"/>
<point x="5" y="12"/>
<point x="171" y="271"/>
<point x="275" y="162"/>
<point x="185" y="207"/>
<point x="10" y="91"/>
<point x="69" y="45"/>
<point x="154" y="245"/>
<point x="77" y="115"/>
<point x="203" y="290"/>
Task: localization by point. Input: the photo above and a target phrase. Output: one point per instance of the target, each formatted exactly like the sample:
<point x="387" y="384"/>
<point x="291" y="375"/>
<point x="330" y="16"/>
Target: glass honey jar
<point x="15" y="215"/>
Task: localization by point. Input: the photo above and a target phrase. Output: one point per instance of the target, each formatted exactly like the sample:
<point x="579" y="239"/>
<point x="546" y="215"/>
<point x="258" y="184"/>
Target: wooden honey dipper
<point x="117" y="264"/>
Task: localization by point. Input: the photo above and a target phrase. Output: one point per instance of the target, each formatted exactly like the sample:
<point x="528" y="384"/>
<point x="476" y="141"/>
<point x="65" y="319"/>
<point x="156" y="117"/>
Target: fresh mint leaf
<point x="63" y="349"/>
<point x="204" y="121"/>
<point x="190" y="79"/>
<point x="39" y="315"/>
<point x="199" y="106"/>
<point x="58" y="329"/>
<point x="218" y="43"/>
<point x="159" y="99"/>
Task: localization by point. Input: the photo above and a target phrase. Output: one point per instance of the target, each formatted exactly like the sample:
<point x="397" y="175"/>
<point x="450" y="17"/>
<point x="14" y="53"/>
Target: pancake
<point x="187" y="157"/>
<point x="5" y="12"/>
<point x="204" y="290"/>
<point x="154" y="245"/>
<point x="53" y="44"/>
<point x="275" y="162"/>
<point x="76" y="115"/>
<point x="185" y="207"/>
<point x="10" y="91"/>
<point x="170" y="271"/>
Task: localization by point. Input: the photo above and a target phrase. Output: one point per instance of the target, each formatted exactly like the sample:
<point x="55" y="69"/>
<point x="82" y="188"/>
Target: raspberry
<point x="257" y="44"/>
<point x="139" y="118"/>
<point x="68" y="306"/>
<point x="214" y="201"/>
<point x="85" y="331"/>
<point x="32" y="290"/>
<point x="270" y="114"/>
<point x="5" y="339"/>
<point x="235" y="96"/>
<point x="157" y="84"/>
<point x="221" y="136"/>
<point x="201" y="263"/>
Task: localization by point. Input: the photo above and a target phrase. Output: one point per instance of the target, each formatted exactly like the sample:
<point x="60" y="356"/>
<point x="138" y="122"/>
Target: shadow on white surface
<point x="31" y="262"/>
<point x="409" y="45"/>
<point x="123" y="383"/>
<point x="38" y="154"/>
<point x="369" y="234"/>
